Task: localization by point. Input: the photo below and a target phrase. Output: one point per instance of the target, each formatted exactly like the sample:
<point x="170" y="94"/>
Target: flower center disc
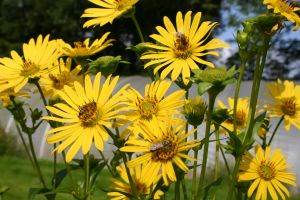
<point x="59" y="81"/>
<point x="267" y="171"/>
<point x="29" y="68"/>
<point x="288" y="106"/>
<point x="88" y="114"/>
<point x="182" y="46"/>
<point x="163" y="150"/>
<point x="147" y="107"/>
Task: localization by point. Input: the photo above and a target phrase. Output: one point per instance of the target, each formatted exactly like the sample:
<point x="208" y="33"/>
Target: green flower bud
<point x="264" y="128"/>
<point x="248" y="26"/>
<point x="194" y="111"/>
<point x="105" y="64"/>
<point x="242" y="39"/>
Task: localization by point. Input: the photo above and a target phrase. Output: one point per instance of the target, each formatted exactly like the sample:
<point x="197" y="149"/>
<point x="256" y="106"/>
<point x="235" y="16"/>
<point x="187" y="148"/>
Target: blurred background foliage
<point x="23" y="19"/>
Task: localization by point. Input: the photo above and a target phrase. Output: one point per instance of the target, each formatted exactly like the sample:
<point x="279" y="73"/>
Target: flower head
<point x="267" y="172"/>
<point x="141" y="183"/>
<point x="286" y="8"/>
<point x="194" y="111"/>
<point x="38" y="57"/>
<point x="59" y="77"/>
<point x="178" y="50"/>
<point x="86" y="111"/>
<point x="161" y="147"/>
<point x="285" y="97"/>
<point x="241" y="114"/>
<point x="6" y="95"/>
<point x="84" y="49"/>
<point x="108" y="11"/>
<point x="154" y="107"/>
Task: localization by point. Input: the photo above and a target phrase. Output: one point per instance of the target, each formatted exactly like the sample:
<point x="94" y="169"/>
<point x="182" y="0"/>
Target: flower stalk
<point x="212" y="98"/>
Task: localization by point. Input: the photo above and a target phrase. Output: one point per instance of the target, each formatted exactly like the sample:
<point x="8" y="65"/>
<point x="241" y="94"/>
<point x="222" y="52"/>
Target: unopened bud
<point x="194" y="111"/>
<point x="242" y="39"/>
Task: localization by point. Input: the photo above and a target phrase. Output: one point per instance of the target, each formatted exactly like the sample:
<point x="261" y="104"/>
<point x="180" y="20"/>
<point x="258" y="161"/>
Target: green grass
<point x="19" y="176"/>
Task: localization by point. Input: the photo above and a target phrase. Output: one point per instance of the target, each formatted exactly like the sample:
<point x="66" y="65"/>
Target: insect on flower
<point x="161" y="146"/>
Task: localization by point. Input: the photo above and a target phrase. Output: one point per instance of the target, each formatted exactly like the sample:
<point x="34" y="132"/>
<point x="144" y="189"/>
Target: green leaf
<point x="60" y="175"/>
<point x="35" y="191"/>
<point x="210" y="188"/>
<point x="3" y="190"/>
<point x="203" y="87"/>
<point x="95" y="172"/>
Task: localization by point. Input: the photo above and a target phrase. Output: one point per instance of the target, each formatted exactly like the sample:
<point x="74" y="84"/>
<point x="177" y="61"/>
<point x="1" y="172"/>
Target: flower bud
<point x="264" y="128"/>
<point x="242" y="39"/>
<point x="194" y="111"/>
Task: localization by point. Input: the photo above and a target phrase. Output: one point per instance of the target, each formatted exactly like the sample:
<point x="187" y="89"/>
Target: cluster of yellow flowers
<point x="153" y="126"/>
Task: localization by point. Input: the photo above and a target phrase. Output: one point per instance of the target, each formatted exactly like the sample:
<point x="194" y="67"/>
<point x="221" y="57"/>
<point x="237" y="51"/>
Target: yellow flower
<point x="285" y="99"/>
<point x="161" y="147"/>
<point x="155" y="107"/>
<point x="86" y="111"/>
<point x="38" y="57"/>
<point x="108" y="11"/>
<point x="241" y="114"/>
<point x="180" y="50"/>
<point x="59" y="77"/>
<point x="6" y="94"/>
<point x="143" y="186"/>
<point x="267" y="172"/>
<point x="286" y="8"/>
<point x="84" y="49"/>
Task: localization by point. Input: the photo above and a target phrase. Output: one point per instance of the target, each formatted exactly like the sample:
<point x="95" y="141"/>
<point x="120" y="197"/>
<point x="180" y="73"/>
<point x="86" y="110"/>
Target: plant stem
<point x="275" y="130"/>
<point x="225" y="161"/>
<point x="185" y="196"/>
<point x="42" y="95"/>
<point x="259" y="67"/>
<point x="217" y="154"/>
<point x="86" y="176"/>
<point x="211" y="103"/>
<point x="37" y="166"/>
<point x="236" y="93"/>
<point x="31" y="147"/>
<point x="194" y="184"/>
<point x="25" y="145"/>
<point x="177" y="190"/>
<point x="138" y="28"/>
<point x="107" y="165"/>
<point x="132" y="184"/>
<point x="37" y="84"/>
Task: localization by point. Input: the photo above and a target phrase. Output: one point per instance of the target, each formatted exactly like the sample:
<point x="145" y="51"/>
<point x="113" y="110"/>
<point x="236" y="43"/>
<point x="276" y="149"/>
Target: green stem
<point x="225" y="161"/>
<point x="132" y="184"/>
<point x="31" y="147"/>
<point x="37" y="166"/>
<point x="37" y="84"/>
<point x="236" y="93"/>
<point x="185" y="196"/>
<point x="107" y="165"/>
<point x="259" y="66"/>
<point x="194" y="184"/>
<point x="275" y="130"/>
<point x="177" y="190"/>
<point x="211" y="103"/>
<point x="25" y="145"/>
<point x="138" y="28"/>
<point x="86" y="176"/>
<point x="42" y="95"/>
<point x="217" y="154"/>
